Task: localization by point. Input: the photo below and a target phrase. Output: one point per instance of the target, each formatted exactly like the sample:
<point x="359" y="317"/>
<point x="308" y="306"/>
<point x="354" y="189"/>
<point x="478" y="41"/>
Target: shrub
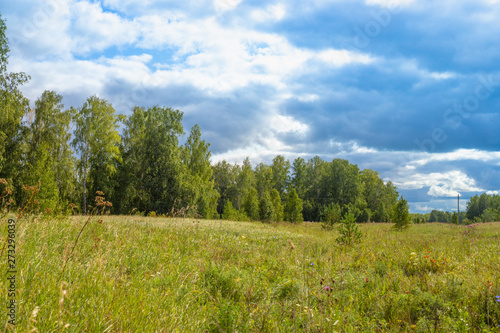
<point x="331" y="215"/>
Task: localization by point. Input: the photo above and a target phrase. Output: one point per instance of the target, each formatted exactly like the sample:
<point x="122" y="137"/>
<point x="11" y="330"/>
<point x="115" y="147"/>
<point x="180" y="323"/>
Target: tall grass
<point x="145" y="274"/>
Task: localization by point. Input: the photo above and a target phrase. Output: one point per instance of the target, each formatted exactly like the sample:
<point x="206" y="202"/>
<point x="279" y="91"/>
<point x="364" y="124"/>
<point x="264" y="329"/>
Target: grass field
<point x="138" y="274"/>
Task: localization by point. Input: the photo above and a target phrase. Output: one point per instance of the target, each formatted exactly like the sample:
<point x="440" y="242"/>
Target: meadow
<point x="147" y="274"/>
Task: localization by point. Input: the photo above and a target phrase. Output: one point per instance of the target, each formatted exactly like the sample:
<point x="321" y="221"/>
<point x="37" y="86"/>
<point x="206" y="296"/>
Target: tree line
<point x="138" y="161"/>
<point x="480" y="208"/>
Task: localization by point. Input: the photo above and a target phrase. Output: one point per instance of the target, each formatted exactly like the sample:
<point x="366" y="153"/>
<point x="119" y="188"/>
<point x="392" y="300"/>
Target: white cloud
<point x="286" y="124"/>
<point x="446" y="184"/>
<point x="226" y="5"/>
<point x="391" y="4"/>
<point x="457" y="155"/>
<point x="343" y="57"/>
<point x="270" y="13"/>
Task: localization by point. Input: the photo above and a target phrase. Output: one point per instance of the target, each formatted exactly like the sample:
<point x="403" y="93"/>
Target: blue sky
<point x="408" y="88"/>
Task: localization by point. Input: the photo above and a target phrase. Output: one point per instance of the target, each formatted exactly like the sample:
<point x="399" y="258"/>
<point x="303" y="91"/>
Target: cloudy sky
<point x="408" y="88"/>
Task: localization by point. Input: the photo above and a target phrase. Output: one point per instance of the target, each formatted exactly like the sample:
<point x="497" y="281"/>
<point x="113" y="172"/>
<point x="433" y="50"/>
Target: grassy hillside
<point x="137" y="274"/>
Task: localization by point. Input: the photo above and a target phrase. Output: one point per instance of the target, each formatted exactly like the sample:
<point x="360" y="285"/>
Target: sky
<point x="408" y="88"/>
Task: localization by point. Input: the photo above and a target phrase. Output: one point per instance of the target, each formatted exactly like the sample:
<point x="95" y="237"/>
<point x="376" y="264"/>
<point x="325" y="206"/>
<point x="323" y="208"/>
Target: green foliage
<point x="293" y="207"/>
<point x="50" y="129"/>
<point x="97" y="141"/>
<point x="280" y="174"/>
<point x="225" y="176"/>
<point x="196" y="158"/>
<point x="251" y="204"/>
<point x="232" y="214"/>
<point x="401" y="215"/>
<point x="331" y="214"/>
<point x="263" y="179"/>
<point x="341" y="183"/>
<point x="278" y="213"/>
<point x="266" y="208"/>
<point x="42" y="175"/>
<point x="349" y="232"/>
<point x="153" y="175"/>
<point x="299" y="176"/>
<point x="13" y="106"/>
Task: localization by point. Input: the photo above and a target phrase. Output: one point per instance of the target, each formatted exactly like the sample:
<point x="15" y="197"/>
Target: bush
<point x="331" y="215"/>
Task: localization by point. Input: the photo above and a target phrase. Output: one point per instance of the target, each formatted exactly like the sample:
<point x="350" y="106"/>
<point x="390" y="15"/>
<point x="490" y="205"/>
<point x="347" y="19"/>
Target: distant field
<point x="137" y="274"/>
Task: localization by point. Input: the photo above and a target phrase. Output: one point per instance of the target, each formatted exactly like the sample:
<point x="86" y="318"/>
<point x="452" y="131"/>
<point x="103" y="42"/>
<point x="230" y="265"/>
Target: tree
<point x="280" y="173"/>
<point x="96" y="140"/>
<point x="233" y="214"/>
<point x="50" y="129"/>
<point x="401" y="215"/>
<point x="341" y="183"/>
<point x="42" y="174"/>
<point x="224" y="176"/>
<point x="266" y="208"/>
<point x="278" y="214"/>
<point x="13" y="106"/>
<point x="332" y="214"/>
<point x="196" y="158"/>
<point x="348" y="231"/>
<point x="153" y="174"/>
<point x="251" y="204"/>
<point x="245" y="180"/>
<point x="299" y="176"/>
<point x="293" y="207"/>
<point x="263" y="179"/>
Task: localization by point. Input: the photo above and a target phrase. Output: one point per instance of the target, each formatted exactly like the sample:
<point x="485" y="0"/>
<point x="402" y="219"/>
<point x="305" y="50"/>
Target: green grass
<point x="144" y="274"/>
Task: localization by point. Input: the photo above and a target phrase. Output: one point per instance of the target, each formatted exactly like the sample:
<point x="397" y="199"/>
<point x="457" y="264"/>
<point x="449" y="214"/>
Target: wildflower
<point x="498" y="298"/>
<point x="312" y="264"/>
<point x="327" y="288"/>
<point x="366" y="279"/>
